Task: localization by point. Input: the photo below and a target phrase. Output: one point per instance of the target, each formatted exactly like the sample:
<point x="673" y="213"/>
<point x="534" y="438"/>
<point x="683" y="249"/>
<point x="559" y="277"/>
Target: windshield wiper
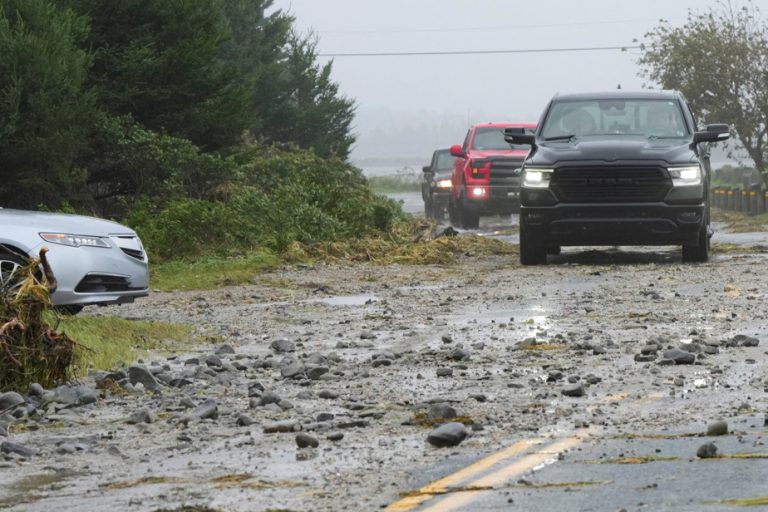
<point x="656" y="137"/>
<point x="561" y="137"/>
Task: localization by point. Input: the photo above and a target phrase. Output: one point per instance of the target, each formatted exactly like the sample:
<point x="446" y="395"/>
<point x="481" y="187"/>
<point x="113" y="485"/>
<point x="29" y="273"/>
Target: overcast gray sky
<point x="434" y="98"/>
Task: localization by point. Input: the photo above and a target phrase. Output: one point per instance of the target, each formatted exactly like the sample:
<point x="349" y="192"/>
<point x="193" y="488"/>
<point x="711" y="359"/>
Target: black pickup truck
<point x="616" y="168"/>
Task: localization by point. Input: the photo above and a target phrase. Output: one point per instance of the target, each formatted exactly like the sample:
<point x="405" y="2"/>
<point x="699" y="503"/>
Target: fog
<point x="408" y="105"/>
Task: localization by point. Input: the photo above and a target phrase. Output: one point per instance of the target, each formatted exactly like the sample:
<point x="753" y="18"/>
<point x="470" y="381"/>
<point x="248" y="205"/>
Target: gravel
<point x="316" y="401"/>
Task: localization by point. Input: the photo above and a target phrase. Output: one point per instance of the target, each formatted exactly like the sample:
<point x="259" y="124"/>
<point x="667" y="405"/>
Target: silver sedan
<point x="95" y="261"/>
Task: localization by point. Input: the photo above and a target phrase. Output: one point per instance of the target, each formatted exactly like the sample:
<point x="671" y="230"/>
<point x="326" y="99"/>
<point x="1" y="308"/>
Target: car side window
<point x="465" y="146"/>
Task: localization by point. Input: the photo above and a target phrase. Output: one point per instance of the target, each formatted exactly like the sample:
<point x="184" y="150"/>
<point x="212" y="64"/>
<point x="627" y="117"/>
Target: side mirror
<point x="713" y="133"/>
<point x="519" y="136"/>
<point x="456" y="151"/>
<point x="426" y="168"/>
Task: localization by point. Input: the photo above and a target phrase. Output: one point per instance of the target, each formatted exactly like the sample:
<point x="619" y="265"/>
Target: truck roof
<point x="619" y="94"/>
<point x="504" y="125"/>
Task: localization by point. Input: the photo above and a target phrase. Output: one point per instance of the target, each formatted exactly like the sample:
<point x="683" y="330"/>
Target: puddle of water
<point x="535" y="316"/>
<point x="346" y="300"/>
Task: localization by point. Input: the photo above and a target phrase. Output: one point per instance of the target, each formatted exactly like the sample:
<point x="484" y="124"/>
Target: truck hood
<point x="476" y="154"/>
<point x="60" y="223"/>
<point x="612" y="149"/>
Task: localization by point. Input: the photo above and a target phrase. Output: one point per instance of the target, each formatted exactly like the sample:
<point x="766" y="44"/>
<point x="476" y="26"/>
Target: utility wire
<point x="470" y="29"/>
<point x="479" y="52"/>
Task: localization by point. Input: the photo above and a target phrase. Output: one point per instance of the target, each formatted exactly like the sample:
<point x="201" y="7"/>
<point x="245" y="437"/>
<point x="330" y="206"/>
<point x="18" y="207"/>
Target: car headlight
<point x="443" y="183"/>
<point x="537" y="178"/>
<point x="75" y="240"/>
<point x="689" y="175"/>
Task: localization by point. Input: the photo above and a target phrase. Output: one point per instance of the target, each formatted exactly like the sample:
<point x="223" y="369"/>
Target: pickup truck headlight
<point x="443" y="184"/>
<point x="537" y="178"/>
<point x="682" y="176"/>
<point x="75" y="240"/>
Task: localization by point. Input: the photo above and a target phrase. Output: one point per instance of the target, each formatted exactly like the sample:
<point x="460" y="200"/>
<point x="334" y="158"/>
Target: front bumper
<point x="92" y="275"/>
<point x="613" y="224"/>
<point x="497" y="199"/>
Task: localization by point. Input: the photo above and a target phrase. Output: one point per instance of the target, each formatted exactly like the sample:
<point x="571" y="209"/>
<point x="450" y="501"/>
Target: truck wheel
<point x="428" y="208"/>
<point x="470" y="216"/>
<point x="438" y="210"/>
<point x="452" y="213"/>
<point x="698" y="253"/>
<point x="530" y="253"/>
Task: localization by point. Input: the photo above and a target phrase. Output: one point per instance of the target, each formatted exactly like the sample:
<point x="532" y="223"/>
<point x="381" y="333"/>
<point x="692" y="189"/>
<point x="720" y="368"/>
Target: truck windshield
<point x="646" y="117"/>
<point x="445" y="161"/>
<point x="493" y="139"/>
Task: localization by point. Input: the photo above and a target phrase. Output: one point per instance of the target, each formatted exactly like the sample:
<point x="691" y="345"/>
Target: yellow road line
<point x="442" y="485"/>
<point x="460" y="499"/>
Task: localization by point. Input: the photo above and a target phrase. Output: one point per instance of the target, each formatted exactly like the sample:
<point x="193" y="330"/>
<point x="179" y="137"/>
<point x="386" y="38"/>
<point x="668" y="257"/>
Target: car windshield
<point x="445" y="161"/>
<point x="646" y="117"/>
<point x="493" y="139"/>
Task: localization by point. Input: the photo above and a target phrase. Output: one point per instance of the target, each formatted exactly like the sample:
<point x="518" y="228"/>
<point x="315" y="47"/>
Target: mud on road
<point x="363" y="358"/>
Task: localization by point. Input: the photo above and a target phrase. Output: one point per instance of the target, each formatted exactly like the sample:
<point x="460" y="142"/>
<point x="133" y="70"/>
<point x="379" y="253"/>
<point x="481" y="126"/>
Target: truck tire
<point x="468" y="214"/>
<point x="438" y="211"/>
<point x="428" y="208"/>
<point x="698" y="253"/>
<point x="453" y="214"/>
<point x="531" y="253"/>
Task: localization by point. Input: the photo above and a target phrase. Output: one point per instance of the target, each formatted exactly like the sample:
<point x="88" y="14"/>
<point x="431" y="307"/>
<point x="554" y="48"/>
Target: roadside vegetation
<point x="395" y="183"/>
<point x="111" y="342"/>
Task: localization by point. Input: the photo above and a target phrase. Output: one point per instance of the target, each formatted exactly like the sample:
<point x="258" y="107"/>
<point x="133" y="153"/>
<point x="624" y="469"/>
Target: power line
<point x="480" y="52"/>
<point x="470" y="29"/>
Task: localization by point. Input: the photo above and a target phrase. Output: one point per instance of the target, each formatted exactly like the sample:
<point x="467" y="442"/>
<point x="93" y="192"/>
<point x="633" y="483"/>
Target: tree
<point x="719" y="60"/>
<point x="313" y="113"/>
<point x="158" y="61"/>
<point x="258" y="47"/>
<point x="45" y="106"/>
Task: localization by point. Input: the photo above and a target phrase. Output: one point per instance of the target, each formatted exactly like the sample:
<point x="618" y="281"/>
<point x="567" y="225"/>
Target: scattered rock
<point x="207" y="410"/>
<point x="442" y="410"/>
<point x="140" y="416"/>
<point x="244" y="420"/>
<point x="680" y="356"/>
<point x="10" y="400"/>
<point x="718" y="428"/>
<point x="282" y="427"/>
<point x="140" y="375"/>
<point x="707" y="451"/>
<point x="283" y="345"/>
<point x="576" y="389"/>
<point x="18" y="449"/>
<point x="306" y="441"/>
<point x="449" y="434"/>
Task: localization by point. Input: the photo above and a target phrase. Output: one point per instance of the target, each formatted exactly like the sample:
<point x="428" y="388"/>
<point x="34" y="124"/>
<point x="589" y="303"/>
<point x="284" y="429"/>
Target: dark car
<point x="616" y="168"/>
<point x="436" y="183"/>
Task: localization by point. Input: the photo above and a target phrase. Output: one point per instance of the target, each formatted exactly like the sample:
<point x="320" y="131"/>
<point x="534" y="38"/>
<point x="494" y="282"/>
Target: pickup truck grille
<point x="505" y="171"/>
<point x="610" y="184"/>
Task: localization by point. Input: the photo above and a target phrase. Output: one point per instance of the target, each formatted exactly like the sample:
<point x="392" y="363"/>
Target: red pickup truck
<point x="486" y="174"/>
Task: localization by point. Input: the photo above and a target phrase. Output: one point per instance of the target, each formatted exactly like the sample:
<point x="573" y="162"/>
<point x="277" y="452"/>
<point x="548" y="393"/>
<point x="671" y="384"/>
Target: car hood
<point x="670" y="151"/>
<point x="61" y="223"/>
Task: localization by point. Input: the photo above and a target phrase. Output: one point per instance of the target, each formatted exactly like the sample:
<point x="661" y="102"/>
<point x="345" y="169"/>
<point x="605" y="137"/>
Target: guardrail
<point x="752" y="201"/>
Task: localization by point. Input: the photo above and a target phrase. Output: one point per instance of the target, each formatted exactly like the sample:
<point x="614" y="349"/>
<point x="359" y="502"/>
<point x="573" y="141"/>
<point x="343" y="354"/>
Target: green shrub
<point x="272" y="201"/>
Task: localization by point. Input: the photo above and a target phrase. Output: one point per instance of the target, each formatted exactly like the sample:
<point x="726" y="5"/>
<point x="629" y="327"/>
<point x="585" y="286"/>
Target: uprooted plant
<point x="31" y="350"/>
